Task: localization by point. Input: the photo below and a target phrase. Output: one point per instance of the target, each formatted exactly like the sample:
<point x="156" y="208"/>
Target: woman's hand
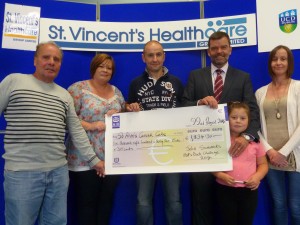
<point x="276" y="158"/>
<point x="111" y="112"/>
<point x="98" y="125"/>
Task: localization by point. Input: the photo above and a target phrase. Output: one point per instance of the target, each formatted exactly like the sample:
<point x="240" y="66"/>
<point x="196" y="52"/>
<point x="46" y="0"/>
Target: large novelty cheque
<point x="188" y="139"/>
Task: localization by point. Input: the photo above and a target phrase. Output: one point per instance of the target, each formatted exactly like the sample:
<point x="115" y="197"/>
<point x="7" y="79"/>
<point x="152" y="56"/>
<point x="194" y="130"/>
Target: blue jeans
<point x="284" y="188"/>
<point x="30" y="195"/>
<point x="171" y="186"/>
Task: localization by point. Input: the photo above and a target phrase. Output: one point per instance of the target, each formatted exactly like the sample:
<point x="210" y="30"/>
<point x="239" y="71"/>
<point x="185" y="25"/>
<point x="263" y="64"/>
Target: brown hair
<point x="98" y="60"/>
<point x="217" y="36"/>
<point x="290" y="69"/>
<point x="239" y="105"/>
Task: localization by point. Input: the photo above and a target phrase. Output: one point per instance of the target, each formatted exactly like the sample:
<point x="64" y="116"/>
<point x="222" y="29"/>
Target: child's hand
<point x="225" y="178"/>
<point x="253" y="182"/>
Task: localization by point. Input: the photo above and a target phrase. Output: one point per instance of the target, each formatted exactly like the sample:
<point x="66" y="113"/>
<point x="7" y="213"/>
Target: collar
<point x="224" y="68"/>
<point x="165" y="71"/>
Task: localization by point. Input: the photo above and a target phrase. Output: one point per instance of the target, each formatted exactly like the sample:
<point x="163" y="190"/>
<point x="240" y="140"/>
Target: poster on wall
<point x="277" y="23"/>
<point x="20" y="27"/>
<point x="130" y="37"/>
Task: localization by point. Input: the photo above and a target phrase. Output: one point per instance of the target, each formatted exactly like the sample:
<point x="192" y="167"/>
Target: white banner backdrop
<point x="20" y="27"/>
<point x="130" y="37"/>
<point x="277" y="23"/>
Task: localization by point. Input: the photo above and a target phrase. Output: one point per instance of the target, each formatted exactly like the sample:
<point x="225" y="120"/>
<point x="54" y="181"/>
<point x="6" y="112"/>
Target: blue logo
<point x="288" y="21"/>
<point x="115" y="121"/>
<point x="233" y="27"/>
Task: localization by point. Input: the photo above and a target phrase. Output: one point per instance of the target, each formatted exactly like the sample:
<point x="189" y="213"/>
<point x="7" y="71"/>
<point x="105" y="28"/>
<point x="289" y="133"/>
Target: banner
<point x="129" y="37"/>
<point x="277" y="23"/>
<point x="187" y="139"/>
<point x="21" y="27"/>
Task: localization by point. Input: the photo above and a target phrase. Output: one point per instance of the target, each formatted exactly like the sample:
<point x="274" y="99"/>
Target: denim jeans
<point x="32" y="195"/>
<point x="284" y="188"/>
<point x="171" y="186"/>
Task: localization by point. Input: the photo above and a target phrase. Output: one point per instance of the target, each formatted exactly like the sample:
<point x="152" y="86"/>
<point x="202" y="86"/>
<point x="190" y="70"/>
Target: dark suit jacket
<point x="237" y="87"/>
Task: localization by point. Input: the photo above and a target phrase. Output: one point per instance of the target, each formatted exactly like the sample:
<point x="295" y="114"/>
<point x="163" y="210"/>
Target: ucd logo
<point x="288" y="21"/>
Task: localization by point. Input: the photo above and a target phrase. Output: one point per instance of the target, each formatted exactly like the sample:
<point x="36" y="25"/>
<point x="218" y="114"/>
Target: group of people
<point x="264" y="131"/>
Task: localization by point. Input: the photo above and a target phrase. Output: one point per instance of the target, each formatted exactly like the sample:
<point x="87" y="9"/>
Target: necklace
<point x="277" y="99"/>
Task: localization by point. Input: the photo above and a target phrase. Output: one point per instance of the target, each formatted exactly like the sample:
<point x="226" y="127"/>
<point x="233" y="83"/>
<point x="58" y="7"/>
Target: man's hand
<point x="208" y="100"/>
<point x="100" y="168"/>
<point x="133" y="107"/>
<point x="238" y="146"/>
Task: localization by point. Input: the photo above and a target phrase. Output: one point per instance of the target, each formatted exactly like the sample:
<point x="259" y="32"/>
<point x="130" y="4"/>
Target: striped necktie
<point x="218" y="85"/>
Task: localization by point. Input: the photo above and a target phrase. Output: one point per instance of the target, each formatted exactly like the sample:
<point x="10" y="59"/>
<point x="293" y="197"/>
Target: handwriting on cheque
<point x="202" y="140"/>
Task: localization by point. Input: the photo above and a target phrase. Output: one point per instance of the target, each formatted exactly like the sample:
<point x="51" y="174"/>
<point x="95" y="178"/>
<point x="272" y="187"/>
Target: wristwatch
<point x="249" y="137"/>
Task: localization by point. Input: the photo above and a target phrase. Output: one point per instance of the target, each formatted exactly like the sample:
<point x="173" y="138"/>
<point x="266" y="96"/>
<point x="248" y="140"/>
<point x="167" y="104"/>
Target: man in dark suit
<point x="237" y="86"/>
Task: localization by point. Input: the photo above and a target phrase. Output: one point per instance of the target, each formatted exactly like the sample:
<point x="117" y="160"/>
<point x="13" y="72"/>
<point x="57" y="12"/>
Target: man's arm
<point x="79" y="136"/>
<point x="132" y="105"/>
<point x="189" y="98"/>
<point x="249" y="98"/>
<point x="5" y="87"/>
<point x="179" y="93"/>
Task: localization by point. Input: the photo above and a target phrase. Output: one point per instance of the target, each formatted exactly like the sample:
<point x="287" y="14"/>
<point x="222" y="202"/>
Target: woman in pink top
<point x="237" y="189"/>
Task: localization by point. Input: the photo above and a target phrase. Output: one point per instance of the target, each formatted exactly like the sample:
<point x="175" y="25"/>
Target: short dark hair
<point x="290" y="69"/>
<point x="217" y="36"/>
<point x="98" y="60"/>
